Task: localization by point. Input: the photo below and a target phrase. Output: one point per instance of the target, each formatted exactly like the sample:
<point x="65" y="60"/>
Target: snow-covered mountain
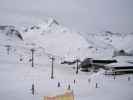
<point x="10" y="31"/>
<point x="109" y="40"/>
<point x="55" y="39"/>
<point x="10" y="35"/>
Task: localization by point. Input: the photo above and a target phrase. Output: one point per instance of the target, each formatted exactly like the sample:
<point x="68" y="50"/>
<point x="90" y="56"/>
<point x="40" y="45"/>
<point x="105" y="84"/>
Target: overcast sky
<point x="80" y="15"/>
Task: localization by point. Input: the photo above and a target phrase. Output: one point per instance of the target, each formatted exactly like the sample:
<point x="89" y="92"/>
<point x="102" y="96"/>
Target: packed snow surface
<point x="17" y="76"/>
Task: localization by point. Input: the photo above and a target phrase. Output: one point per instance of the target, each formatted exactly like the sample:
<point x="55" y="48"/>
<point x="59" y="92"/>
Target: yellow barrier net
<point x="67" y="96"/>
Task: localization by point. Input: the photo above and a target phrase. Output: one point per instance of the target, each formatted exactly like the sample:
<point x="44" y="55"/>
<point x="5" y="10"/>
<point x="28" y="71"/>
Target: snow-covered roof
<point x="124" y="58"/>
<point x="120" y="64"/>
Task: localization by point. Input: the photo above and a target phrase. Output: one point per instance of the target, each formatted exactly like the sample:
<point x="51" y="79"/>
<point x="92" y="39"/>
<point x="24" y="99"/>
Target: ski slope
<point x="16" y="78"/>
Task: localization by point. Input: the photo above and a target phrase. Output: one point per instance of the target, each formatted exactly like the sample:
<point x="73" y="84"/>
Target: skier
<point x="114" y="76"/>
<point x="21" y="59"/>
<point x="96" y="86"/>
<point x="69" y="87"/>
<point x="89" y="80"/>
<point x="33" y="89"/>
<point x="58" y="84"/>
<point x="129" y="78"/>
<point x="74" y="81"/>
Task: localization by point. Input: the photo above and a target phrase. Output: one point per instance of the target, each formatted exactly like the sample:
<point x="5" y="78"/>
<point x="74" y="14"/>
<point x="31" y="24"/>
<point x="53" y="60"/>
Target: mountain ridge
<point x="59" y="40"/>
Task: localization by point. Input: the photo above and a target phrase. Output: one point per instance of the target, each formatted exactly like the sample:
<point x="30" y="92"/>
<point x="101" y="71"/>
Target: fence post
<point x="8" y="47"/>
<point x="52" y="67"/>
<point x="77" y="61"/>
<point x="33" y="89"/>
<point x="32" y="55"/>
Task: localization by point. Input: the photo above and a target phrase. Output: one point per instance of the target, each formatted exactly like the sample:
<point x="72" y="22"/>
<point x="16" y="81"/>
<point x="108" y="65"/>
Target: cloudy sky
<point x="80" y="15"/>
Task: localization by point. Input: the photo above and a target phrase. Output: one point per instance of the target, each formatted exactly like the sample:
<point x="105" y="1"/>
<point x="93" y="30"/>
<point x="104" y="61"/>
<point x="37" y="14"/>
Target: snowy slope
<point x="57" y="40"/>
<point x="118" y="40"/>
<point x="109" y="41"/>
<point x="122" y="41"/>
<point x="17" y="77"/>
<point x="51" y="38"/>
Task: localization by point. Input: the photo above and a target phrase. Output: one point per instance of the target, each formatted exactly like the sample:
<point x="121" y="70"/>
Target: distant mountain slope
<point x="108" y="40"/>
<point x="10" y="31"/>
